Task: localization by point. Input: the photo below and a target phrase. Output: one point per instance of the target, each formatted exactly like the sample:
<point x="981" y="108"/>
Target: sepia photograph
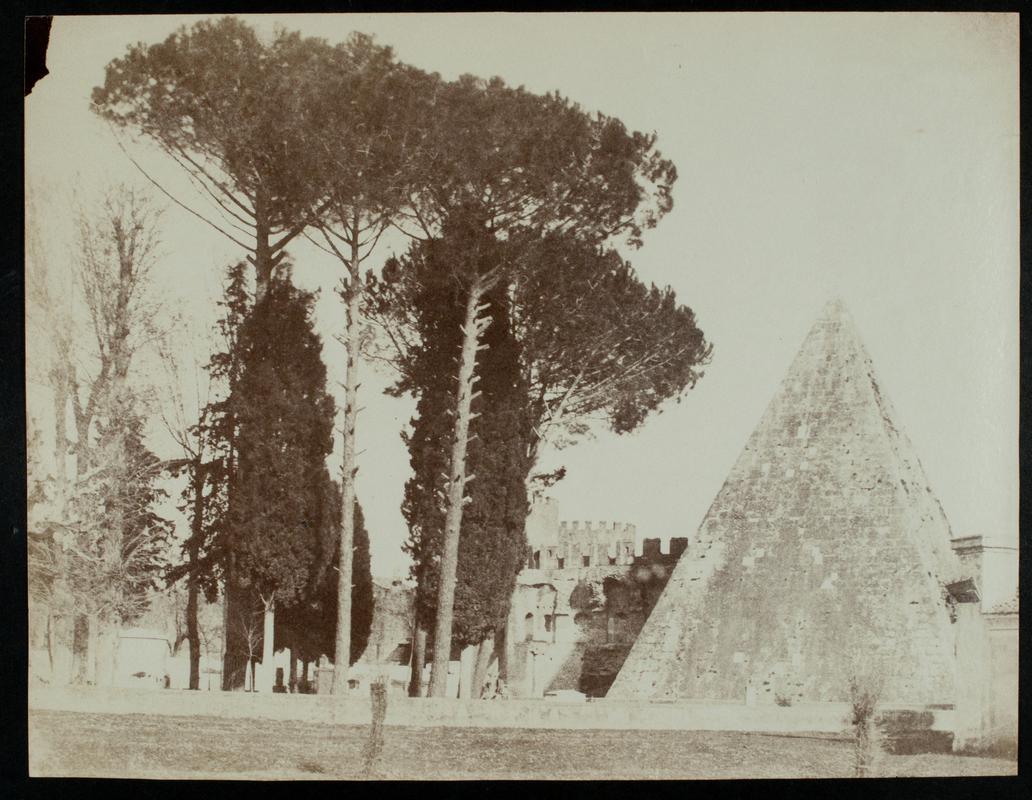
<point x="553" y="396"/>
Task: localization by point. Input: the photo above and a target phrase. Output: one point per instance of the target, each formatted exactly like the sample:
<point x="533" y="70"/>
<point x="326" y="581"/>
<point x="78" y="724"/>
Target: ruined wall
<point x="390" y="633"/>
<point x="823" y="554"/>
<point x="571" y="626"/>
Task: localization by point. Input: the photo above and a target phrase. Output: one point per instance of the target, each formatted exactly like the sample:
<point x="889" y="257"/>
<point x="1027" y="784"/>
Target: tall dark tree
<point x="370" y="120"/>
<point x="280" y="489"/>
<point x="492" y="544"/>
<point x="510" y="164"/>
<point x="203" y="502"/>
<point x="213" y="451"/>
<point x="594" y="345"/>
<point x="282" y="136"/>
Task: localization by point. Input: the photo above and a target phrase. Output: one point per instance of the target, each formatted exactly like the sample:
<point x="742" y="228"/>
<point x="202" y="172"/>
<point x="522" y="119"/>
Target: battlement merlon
<point x="652" y="549"/>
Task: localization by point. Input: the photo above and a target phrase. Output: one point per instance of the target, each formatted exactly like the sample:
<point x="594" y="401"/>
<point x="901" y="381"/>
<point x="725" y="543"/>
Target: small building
<point x="142" y="658"/>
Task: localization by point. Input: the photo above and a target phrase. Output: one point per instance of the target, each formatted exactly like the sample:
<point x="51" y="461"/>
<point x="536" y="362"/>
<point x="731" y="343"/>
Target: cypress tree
<point x="492" y="546"/>
<point x="279" y="489"/>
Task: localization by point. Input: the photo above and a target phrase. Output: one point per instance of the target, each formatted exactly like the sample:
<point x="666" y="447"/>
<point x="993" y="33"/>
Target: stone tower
<point x="824" y="555"/>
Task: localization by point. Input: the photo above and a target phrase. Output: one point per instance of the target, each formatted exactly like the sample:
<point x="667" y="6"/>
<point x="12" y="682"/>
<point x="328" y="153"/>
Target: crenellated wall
<point x="602" y="544"/>
<point x="580" y="603"/>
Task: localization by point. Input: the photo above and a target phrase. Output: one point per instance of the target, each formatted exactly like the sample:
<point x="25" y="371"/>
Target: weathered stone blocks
<point x="823" y="555"/>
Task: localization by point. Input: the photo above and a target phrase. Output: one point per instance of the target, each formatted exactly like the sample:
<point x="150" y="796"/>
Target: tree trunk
<point x="268" y="643"/>
<point x="92" y="623"/>
<point x="80" y="623"/>
<point x="193" y="635"/>
<point x="484" y="653"/>
<point x="236" y="652"/>
<point x="62" y="393"/>
<point x="107" y="654"/>
<point x="80" y="647"/>
<point x="471" y="330"/>
<point x="262" y="260"/>
<point x="225" y="631"/>
<point x="50" y="645"/>
<point x="293" y="671"/>
<point x="415" y="688"/>
<point x="503" y="646"/>
<point x="342" y="651"/>
<point x="80" y="626"/>
<point x="230" y="657"/>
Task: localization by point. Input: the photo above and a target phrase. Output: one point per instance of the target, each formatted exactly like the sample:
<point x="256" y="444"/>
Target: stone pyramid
<point x="823" y="556"/>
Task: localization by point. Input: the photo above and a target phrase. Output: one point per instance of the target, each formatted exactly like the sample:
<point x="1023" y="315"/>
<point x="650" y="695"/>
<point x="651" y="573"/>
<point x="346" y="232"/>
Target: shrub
<point x="865" y="687"/>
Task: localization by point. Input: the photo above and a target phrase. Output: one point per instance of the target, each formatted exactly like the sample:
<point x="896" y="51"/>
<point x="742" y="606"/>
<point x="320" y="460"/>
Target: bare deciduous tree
<point x="105" y="541"/>
<point x="249" y="636"/>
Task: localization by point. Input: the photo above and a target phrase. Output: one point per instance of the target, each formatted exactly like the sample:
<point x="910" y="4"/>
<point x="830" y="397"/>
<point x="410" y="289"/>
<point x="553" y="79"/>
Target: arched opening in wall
<point x="549" y="623"/>
<point x="528" y="628"/>
<point x="536" y="563"/>
<point x="586" y="561"/>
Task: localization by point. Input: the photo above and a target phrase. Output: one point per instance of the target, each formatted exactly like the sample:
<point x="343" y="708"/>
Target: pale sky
<point x="872" y="157"/>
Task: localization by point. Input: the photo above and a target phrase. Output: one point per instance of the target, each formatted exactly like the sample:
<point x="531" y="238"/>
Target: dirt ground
<point x="144" y="746"/>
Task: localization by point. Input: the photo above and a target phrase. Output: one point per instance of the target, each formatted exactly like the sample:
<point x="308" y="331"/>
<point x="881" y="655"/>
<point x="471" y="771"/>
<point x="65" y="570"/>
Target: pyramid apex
<point x="835" y="308"/>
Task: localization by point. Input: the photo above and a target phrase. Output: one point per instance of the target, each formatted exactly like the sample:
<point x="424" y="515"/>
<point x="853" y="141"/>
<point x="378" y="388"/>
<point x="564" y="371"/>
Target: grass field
<point x="144" y="746"/>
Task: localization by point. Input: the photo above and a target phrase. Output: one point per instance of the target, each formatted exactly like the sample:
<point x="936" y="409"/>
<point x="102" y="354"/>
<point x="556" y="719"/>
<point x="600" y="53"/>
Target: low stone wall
<point x="827" y="718"/>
